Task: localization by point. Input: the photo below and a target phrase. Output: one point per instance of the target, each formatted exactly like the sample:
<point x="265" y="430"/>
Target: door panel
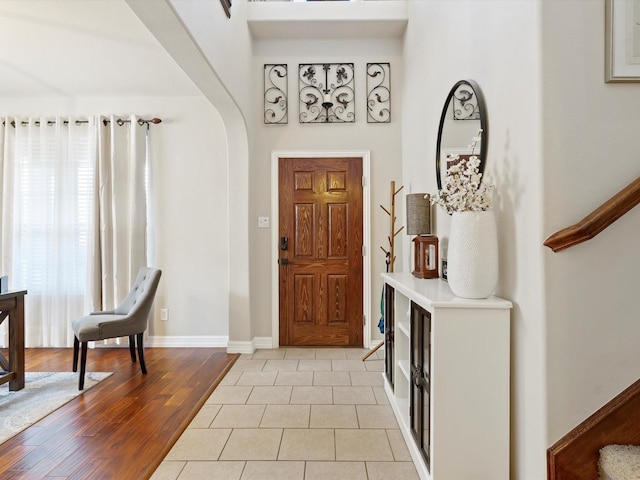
<point x="320" y="213"/>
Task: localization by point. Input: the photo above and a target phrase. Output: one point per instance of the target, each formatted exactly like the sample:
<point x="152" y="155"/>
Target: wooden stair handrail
<point x="598" y="220"/>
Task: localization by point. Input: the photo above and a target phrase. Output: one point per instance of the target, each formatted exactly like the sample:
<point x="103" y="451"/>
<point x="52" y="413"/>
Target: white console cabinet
<point x="447" y="378"/>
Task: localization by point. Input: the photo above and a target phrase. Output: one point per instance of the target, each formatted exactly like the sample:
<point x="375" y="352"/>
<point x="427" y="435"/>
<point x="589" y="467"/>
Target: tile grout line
<point x="347" y="397"/>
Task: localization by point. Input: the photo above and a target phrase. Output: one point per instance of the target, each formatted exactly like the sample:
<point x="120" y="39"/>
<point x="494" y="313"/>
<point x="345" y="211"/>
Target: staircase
<point x="615" y="426"/>
<point x="606" y="446"/>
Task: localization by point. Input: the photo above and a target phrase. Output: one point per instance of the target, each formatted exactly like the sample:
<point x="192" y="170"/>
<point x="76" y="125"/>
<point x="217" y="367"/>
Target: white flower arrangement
<point x="463" y="189"/>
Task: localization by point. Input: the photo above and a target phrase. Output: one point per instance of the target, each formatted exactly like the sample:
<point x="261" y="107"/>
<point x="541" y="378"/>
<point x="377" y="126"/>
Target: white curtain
<point x="72" y="218"/>
<point x="46" y="179"/>
<point x="117" y="246"/>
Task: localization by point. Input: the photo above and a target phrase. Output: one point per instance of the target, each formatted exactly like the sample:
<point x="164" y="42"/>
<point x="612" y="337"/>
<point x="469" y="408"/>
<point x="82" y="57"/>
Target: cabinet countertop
<point x="436" y="293"/>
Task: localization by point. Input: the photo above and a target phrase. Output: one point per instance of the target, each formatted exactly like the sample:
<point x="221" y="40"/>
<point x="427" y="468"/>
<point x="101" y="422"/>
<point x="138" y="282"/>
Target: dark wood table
<point x="12" y="307"/>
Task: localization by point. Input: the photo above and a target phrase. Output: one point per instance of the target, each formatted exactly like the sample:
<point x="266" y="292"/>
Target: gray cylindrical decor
<point x="418" y="214"/>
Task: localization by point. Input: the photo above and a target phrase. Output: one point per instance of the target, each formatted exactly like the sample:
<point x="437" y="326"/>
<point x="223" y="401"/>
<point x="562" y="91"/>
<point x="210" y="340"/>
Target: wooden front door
<point x="320" y="257"/>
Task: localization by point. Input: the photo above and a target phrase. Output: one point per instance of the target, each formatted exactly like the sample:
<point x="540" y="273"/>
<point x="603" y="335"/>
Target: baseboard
<point x="251" y="346"/>
<point x="263" y="342"/>
<point x="180" y="341"/>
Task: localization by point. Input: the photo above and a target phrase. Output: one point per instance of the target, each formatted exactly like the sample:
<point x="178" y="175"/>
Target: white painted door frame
<point x="366" y="234"/>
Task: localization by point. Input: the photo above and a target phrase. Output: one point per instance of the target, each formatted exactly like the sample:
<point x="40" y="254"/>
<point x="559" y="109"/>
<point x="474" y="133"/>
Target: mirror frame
<point x="484" y="125"/>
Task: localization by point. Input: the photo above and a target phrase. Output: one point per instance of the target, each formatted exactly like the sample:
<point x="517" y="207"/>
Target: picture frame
<point x="226" y="5"/>
<point x="622" y="41"/>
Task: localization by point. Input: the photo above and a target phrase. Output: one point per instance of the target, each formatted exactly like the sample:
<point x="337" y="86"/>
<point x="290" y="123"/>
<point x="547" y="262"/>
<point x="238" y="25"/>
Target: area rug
<point x="43" y="393"/>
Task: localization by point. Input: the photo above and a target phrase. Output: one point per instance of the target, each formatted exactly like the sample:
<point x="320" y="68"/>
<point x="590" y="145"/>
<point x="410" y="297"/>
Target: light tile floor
<point x="293" y="414"/>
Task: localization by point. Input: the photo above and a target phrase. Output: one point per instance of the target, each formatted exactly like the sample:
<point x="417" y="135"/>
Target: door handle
<point x="284" y="261"/>
<point x="416" y="376"/>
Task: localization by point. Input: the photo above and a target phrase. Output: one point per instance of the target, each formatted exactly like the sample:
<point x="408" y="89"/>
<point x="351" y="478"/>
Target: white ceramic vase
<point x="472" y="260"/>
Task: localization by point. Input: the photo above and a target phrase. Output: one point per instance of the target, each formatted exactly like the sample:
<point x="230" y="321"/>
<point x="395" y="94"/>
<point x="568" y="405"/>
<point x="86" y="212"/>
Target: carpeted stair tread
<point x="619" y="462"/>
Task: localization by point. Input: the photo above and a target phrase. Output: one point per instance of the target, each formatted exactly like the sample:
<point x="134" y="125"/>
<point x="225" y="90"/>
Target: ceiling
<point x="71" y="48"/>
<point x="100" y="48"/>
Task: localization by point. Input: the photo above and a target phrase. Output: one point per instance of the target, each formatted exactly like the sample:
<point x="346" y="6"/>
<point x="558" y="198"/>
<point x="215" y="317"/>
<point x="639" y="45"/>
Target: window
<point x="52" y="179"/>
<point x="50" y="244"/>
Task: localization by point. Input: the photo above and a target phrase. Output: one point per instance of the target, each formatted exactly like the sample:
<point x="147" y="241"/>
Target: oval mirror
<point x="464" y="115"/>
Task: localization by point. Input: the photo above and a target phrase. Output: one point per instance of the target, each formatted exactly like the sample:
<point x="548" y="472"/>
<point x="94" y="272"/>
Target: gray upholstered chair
<point x="129" y="319"/>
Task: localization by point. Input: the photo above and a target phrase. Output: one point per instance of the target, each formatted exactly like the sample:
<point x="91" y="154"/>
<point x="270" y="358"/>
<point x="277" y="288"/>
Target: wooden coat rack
<point x="389" y="254"/>
<point x="393" y="233"/>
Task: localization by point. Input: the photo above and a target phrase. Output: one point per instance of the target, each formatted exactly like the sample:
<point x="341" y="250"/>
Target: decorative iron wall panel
<point x="465" y="104"/>
<point x="326" y="93"/>
<point x="275" y="94"/>
<point x="378" y="93"/>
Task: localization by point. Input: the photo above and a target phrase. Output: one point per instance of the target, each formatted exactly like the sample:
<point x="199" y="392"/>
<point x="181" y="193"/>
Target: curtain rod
<point x="120" y="122"/>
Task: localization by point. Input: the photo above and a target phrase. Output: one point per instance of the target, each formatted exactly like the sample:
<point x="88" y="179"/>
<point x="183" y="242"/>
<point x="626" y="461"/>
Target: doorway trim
<point x="366" y="234"/>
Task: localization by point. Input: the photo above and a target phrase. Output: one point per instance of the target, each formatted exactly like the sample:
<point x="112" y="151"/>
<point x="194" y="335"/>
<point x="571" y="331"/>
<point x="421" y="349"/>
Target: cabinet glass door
<point x="389" y="302"/>
<point x="420" y="380"/>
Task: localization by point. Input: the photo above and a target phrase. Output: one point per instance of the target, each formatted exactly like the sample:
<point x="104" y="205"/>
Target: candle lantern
<point x="425" y="245"/>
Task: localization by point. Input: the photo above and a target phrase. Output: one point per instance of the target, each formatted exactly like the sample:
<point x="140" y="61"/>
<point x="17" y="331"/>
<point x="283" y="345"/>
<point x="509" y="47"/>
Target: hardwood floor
<point x="123" y="427"/>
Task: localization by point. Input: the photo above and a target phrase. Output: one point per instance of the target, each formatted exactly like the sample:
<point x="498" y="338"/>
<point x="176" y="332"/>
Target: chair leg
<point x="83" y="365"/>
<point x="132" y="347"/>
<point x="76" y="346"/>
<point x="143" y="366"/>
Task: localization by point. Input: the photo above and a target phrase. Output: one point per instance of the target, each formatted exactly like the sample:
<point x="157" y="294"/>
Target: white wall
<point x="382" y="140"/>
<point x="189" y="206"/>
<point x="189" y="175"/>
<point x="215" y="52"/>
<point x="497" y="44"/>
<point x="225" y="42"/>
<point x="208" y="28"/>
<point x="591" y="152"/>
